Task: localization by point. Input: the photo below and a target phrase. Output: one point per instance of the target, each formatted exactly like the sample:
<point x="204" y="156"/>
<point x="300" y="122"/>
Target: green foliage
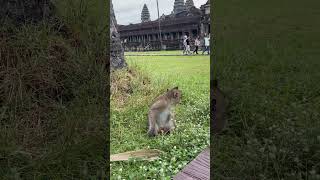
<point x="51" y="115"/>
<point x="265" y="61"/>
<point x="129" y="125"/>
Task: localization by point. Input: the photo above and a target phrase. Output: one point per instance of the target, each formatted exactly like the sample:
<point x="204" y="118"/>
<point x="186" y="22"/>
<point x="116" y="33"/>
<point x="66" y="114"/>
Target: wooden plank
<point x="199" y="168"/>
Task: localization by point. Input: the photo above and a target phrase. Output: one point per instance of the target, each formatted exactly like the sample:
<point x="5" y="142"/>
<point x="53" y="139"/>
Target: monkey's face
<point x="176" y="95"/>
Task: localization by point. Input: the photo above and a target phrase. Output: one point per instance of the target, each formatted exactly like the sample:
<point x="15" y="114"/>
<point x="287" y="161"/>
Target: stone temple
<point x="145" y="15"/>
<point x="185" y="19"/>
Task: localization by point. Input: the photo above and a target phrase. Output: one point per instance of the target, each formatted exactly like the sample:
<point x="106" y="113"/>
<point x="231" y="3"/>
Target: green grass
<point x="51" y="108"/>
<point x="155" y="52"/>
<point x="129" y="125"/>
<point x="175" y="52"/>
<point x="267" y="61"/>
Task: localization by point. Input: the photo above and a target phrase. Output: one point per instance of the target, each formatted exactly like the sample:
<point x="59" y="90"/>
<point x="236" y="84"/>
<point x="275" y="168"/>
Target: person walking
<point x="184" y="44"/>
<point x="196" y="44"/>
<point x="206" y="44"/>
<point x="188" y="52"/>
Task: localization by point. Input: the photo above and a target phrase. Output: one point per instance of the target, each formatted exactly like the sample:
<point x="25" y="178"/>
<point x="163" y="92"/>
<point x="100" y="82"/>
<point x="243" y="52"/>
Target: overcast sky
<point x="129" y="11"/>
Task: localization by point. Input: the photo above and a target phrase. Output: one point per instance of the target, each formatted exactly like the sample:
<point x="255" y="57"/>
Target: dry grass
<point x="124" y="83"/>
<point x="51" y="108"/>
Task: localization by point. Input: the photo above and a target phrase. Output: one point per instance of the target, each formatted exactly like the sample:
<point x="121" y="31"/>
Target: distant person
<point x="196" y="44"/>
<point x="188" y="52"/>
<point x="206" y="44"/>
<point x="185" y="44"/>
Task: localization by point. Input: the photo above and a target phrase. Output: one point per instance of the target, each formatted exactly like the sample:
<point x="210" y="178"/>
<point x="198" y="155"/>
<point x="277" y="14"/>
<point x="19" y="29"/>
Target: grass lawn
<point x="267" y="61"/>
<point x="175" y="52"/>
<point x="129" y="123"/>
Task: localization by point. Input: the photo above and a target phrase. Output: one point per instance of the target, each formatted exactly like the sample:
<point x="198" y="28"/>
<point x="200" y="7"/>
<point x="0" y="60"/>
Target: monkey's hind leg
<point x="153" y="127"/>
<point x="170" y="126"/>
<point x="153" y="130"/>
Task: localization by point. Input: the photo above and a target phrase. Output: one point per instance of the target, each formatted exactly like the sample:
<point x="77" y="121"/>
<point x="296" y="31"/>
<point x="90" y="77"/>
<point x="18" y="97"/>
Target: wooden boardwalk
<point x="199" y="168"/>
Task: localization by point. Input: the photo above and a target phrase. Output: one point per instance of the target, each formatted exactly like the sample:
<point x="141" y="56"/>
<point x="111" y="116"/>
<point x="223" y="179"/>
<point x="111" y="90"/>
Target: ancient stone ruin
<point x="145" y="15"/>
<point x="185" y="19"/>
<point x="117" y="60"/>
<point x="179" y="6"/>
<point x="189" y="4"/>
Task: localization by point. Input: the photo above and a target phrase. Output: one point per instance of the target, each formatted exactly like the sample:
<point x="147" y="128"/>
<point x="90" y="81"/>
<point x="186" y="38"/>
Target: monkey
<point x="219" y="104"/>
<point x="160" y="115"/>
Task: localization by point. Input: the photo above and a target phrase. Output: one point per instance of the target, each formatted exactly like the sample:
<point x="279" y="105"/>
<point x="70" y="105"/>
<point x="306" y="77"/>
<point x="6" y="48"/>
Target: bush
<point x="51" y="97"/>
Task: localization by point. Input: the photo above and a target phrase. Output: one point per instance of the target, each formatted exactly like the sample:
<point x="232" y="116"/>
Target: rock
<point x="117" y="60"/>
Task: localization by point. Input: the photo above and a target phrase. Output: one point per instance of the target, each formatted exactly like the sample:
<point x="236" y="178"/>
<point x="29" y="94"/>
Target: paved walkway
<point x="198" y="169"/>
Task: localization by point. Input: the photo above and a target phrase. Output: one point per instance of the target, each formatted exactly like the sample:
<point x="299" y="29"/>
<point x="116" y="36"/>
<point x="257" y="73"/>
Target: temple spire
<point x="178" y="6"/>
<point x="145" y="15"/>
<point x="189" y="4"/>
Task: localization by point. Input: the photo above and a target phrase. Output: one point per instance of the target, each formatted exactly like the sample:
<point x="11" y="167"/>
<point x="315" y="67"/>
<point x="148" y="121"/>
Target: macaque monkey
<point x="220" y="104"/>
<point x="161" y="116"/>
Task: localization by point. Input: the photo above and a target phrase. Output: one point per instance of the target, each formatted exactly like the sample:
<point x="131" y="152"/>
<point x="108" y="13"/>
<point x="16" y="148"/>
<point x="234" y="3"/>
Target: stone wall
<point x="117" y="60"/>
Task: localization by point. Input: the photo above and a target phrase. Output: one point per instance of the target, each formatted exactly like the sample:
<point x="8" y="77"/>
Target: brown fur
<point x="160" y="116"/>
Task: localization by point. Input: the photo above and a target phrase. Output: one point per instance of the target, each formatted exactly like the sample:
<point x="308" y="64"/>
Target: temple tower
<point x="145" y="15"/>
<point x="178" y="6"/>
<point x="189" y="4"/>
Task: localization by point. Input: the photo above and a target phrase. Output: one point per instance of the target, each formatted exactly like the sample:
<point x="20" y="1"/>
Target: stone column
<point x="116" y="50"/>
